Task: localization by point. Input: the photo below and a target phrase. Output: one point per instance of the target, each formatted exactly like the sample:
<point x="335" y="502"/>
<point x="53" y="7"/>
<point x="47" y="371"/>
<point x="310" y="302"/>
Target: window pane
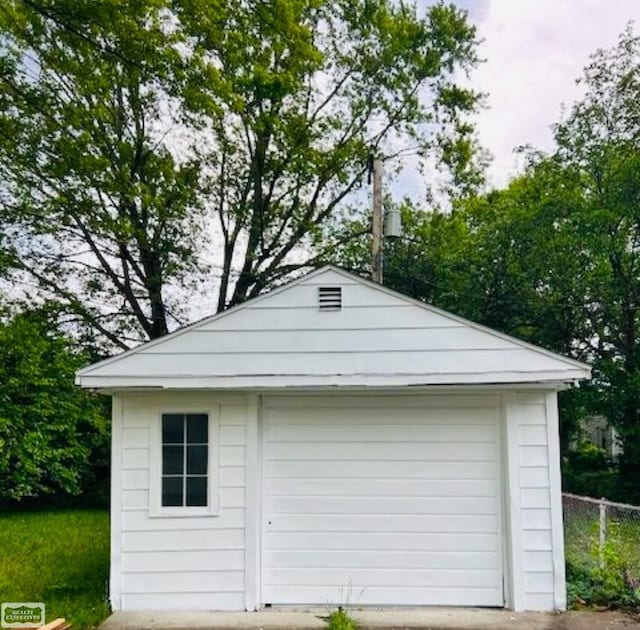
<point x="171" y="491"/>
<point x="197" y="460"/>
<point x="172" y="428"/>
<point x="172" y="460"/>
<point x="197" y="428"/>
<point x="196" y="491"/>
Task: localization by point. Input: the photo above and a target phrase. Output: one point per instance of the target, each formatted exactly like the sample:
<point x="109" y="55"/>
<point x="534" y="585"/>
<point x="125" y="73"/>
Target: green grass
<point x="57" y="557"/>
<point x="339" y="619"/>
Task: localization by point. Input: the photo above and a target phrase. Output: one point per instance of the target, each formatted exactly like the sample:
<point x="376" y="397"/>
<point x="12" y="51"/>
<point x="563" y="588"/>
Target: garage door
<point x="387" y="501"/>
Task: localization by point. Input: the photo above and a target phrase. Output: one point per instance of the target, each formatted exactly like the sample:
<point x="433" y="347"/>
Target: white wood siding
<point x="382" y="500"/>
<point x="377" y="338"/>
<point x="533" y="530"/>
<point x="374" y="498"/>
<point x="179" y="563"/>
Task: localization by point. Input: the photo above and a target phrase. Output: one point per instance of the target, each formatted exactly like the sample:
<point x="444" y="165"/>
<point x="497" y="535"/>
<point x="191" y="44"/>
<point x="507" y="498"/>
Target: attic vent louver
<point x="329" y="298"/>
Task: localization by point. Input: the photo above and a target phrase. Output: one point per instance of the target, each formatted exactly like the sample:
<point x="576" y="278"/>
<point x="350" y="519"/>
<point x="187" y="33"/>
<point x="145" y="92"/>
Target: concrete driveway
<point x="375" y="619"/>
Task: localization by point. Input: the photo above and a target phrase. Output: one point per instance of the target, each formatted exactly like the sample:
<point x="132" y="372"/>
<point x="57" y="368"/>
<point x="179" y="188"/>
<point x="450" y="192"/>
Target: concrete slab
<point x="374" y="619"/>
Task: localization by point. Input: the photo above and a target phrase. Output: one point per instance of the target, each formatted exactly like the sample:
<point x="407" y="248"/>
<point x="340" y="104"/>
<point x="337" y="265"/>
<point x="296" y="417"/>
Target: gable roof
<point x="378" y="338"/>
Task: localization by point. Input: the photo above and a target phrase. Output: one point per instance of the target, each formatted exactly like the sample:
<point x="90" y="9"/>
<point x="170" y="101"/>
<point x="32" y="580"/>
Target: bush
<point x="603" y="578"/>
<point x="53" y="435"/>
<point x="588" y="458"/>
<point x="587" y="471"/>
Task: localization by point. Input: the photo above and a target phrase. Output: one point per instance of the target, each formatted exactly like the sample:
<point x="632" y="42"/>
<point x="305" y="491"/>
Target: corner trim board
<point x="252" y="518"/>
<point x="513" y="507"/>
<point x="555" y="489"/>
<point x="115" y="516"/>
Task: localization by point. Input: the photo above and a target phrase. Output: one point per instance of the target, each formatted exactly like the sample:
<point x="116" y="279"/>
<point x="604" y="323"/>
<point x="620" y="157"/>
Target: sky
<point x="534" y="51"/>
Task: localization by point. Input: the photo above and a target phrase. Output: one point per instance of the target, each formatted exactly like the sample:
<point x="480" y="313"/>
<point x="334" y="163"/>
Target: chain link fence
<point x="600" y="534"/>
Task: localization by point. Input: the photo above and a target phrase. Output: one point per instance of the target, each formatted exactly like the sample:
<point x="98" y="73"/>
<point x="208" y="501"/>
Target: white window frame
<point x="156" y="509"/>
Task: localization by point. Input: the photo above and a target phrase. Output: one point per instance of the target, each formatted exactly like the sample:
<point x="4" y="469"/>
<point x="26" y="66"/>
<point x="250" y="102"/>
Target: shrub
<point x="588" y="458"/>
<point x="603" y="577"/>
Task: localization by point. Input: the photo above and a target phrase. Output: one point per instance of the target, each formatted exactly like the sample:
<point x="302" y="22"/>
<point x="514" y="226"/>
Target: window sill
<point x="183" y="512"/>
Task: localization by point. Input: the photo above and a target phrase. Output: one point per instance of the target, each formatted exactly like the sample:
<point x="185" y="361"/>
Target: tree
<point x="510" y="259"/>
<point x="275" y="107"/>
<point x="53" y="436"/>
<point x="96" y="210"/>
<point x="600" y="141"/>
<point x="554" y="258"/>
<point x="295" y="94"/>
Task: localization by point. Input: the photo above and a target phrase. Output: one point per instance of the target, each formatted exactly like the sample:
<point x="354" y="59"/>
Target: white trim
<point x="555" y="490"/>
<point x="513" y="504"/>
<point x="259" y="504"/>
<point x="582" y="368"/>
<point x="500" y="476"/>
<point x="115" y="516"/>
<point x="269" y="381"/>
<point x="261" y="514"/>
<point x="156" y="510"/>
<point x="146" y="392"/>
<point x="252" y="519"/>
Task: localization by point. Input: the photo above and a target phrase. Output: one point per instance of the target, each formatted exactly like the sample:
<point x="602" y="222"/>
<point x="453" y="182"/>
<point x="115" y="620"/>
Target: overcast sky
<point x="535" y="49"/>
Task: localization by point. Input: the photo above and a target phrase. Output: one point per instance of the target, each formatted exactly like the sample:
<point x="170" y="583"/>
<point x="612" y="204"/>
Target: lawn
<point x="57" y="557"/>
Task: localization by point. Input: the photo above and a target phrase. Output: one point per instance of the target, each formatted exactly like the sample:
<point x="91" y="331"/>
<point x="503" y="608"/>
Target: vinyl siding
<point x="396" y="495"/>
<point x="190" y="562"/>
<point x="535" y="502"/>
<point x="377" y="338"/>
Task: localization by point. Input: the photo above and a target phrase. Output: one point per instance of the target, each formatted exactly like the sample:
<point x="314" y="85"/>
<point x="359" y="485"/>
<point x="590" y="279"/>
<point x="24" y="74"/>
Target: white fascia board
<point x="329" y="380"/>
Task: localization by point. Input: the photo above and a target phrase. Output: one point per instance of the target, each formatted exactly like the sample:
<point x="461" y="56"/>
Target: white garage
<point x="334" y="442"/>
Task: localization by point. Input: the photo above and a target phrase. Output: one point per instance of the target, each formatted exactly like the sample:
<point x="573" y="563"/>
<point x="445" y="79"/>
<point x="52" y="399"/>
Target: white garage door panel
<point x="404" y="541"/>
<point x="428" y="470"/>
<point x="378" y="413"/>
<point x="398" y="523"/>
<point x="376" y="486"/>
<point x="387" y="451"/>
<point x="392" y="596"/>
<point x="388" y="559"/>
<point x="401" y="577"/>
<point x="383" y="432"/>
<point x="385" y="504"/>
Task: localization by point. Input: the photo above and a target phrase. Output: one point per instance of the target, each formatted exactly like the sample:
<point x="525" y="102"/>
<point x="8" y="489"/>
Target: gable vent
<point x="329" y="298"/>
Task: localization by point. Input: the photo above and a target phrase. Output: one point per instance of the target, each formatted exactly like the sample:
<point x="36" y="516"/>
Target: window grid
<point x="185" y="444"/>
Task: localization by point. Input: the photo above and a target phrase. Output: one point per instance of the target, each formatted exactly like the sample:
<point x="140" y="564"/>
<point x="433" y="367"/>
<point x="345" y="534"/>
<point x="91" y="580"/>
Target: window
<point x="185" y="459"/>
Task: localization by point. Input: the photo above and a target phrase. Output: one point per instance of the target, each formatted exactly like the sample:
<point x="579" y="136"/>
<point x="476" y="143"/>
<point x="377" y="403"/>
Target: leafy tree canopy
<point x="53" y="436"/>
<point x="138" y="139"/>
<point x="554" y="257"/>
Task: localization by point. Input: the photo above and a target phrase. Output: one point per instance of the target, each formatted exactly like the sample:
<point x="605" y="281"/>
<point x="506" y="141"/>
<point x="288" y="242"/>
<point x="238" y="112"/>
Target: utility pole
<point x="377" y="222"/>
